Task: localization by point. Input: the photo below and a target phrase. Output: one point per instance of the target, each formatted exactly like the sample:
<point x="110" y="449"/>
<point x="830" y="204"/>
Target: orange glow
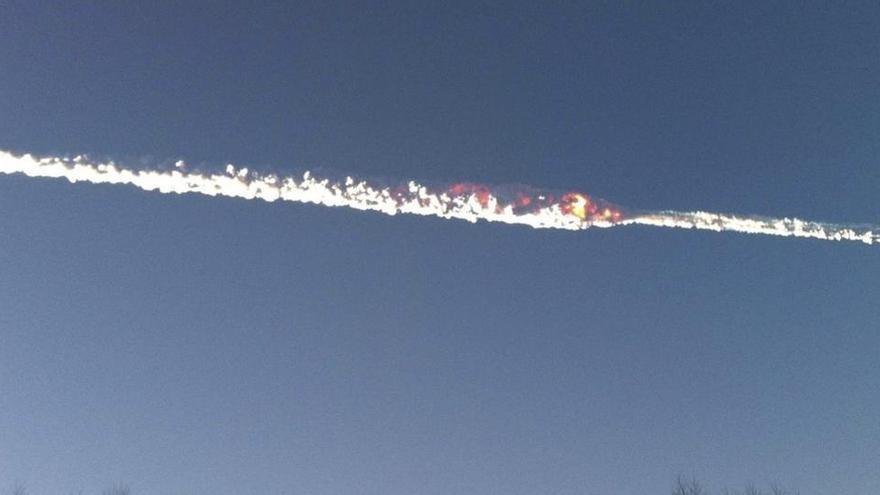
<point x="480" y="192"/>
<point x="576" y="204"/>
<point x="483" y="195"/>
<point x="458" y="189"/>
<point x="572" y="203"/>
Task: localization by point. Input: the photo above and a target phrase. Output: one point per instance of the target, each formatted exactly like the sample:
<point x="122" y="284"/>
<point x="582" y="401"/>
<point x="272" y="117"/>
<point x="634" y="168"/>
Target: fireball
<point x="576" y="204"/>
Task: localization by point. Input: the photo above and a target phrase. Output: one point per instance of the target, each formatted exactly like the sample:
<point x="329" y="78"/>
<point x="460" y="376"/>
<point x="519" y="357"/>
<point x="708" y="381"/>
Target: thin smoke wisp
<point x="465" y="201"/>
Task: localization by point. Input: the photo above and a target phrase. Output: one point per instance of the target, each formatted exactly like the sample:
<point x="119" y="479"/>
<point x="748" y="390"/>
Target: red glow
<point x="572" y="203"/>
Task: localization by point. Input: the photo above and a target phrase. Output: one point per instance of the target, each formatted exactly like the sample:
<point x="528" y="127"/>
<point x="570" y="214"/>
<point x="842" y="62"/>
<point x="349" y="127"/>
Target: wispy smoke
<point x="465" y="201"/>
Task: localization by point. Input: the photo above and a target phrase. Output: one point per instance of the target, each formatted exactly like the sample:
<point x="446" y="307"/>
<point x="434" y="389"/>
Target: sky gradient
<point x="186" y="344"/>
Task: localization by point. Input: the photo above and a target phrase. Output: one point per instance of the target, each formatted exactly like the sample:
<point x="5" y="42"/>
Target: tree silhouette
<point x="684" y="486"/>
<point x="117" y="489"/>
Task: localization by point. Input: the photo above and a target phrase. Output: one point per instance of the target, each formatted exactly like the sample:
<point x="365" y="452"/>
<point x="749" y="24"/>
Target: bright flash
<point x="576" y="204"/>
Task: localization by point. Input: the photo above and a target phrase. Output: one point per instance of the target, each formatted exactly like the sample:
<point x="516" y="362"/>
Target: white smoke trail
<point x="786" y="227"/>
<point x="570" y="211"/>
<point x="411" y="198"/>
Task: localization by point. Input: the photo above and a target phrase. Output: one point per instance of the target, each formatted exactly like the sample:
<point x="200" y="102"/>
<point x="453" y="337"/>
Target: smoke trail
<point x="465" y="201"/>
<point x="753" y="224"/>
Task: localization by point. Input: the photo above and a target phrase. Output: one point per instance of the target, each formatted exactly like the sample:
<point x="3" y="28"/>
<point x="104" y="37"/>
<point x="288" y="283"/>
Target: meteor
<point x="521" y="205"/>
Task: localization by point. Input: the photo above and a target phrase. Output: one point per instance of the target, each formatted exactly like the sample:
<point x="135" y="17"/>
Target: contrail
<point x="465" y="201"/>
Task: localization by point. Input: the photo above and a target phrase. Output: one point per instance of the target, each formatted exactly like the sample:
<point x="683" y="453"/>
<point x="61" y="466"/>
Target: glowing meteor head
<point x="576" y="204"/>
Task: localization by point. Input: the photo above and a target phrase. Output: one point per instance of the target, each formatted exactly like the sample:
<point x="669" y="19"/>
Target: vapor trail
<point x="465" y="201"/>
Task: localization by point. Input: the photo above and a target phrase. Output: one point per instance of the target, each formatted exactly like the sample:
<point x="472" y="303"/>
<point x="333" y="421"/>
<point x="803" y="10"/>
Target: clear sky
<point x="195" y="345"/>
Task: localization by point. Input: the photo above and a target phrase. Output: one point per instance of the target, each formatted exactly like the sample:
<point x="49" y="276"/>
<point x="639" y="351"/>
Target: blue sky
<point x="185" y="344"/>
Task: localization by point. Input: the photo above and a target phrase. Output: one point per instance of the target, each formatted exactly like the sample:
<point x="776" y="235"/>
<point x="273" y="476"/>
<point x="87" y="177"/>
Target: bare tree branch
<point x="683" y="486"/>
<point x="117" y="489"/>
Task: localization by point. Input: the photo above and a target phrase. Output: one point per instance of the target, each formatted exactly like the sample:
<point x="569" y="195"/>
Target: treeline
<point x="685" y="486"/>
<point x="681" y="486"/>
<point x="117" y="489"/>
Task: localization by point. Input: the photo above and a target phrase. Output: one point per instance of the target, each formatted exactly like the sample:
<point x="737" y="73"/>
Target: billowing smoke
<point x="466" y="201"/>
